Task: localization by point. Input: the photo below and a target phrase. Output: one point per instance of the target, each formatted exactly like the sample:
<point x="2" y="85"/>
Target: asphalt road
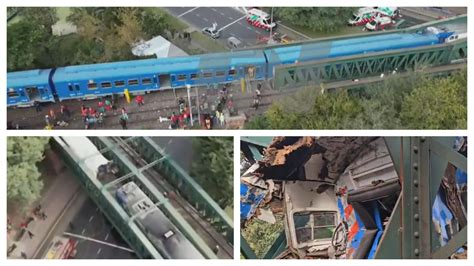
<point x="229" y="18"/>
<point x="90" y="223"/>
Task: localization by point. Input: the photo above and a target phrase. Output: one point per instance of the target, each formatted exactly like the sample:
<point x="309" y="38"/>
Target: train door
<point x="33" y="93"/>
<point x="164" y="80"/>
<point x="250" y="72"/>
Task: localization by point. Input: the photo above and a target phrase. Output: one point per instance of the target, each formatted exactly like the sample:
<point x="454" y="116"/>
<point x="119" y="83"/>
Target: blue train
<point x="90" y="81"/>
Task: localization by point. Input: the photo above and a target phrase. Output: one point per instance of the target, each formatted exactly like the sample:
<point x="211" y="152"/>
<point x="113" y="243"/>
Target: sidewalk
<point x="55" y="200"/>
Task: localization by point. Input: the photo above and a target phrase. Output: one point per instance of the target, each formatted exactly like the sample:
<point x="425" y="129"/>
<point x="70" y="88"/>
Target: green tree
<point x="213" y="168"/>
<point x="25" y="41"/>
<point x="261" y="235"/>
<point x="45" y="17"/>
<point x="24" y="183"/>
<point x="437" y="104"/>
<point x="320" y="19"/>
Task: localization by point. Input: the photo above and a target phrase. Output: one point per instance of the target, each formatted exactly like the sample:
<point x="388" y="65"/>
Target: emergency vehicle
<point x="380" y="23"/>
<point x="368" y="14"/>
<point x="260" y="19"/>
<point x="61" y="248"/>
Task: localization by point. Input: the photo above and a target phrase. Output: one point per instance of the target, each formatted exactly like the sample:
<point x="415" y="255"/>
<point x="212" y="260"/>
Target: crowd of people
<point x="91" y="116"/>
<point x="94" y="116"/>
<point x="37" y="213"/>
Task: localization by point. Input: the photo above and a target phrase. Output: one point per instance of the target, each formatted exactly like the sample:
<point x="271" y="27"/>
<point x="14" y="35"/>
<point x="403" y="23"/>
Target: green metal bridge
<point x="374" y="64"/>
<point x="192" y="210"/>
<point x="421" y="163"/>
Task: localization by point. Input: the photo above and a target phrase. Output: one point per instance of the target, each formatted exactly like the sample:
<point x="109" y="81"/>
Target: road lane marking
<point x="232" y="23"/>
<point x="241" y="23"/>
<point x="190" y="10"/>
<point x="231" y="18"/>
<point x="249" y="28"/>
<point x="213" y="9"/>
<point x="83" y="231"/>
<point x="106" y="237"/>
<point x="222" y="14"/>
<point x="205" y="19"/>
<point x="98" y="241"/>
<point x="92" y="218"/>
<point x="98" y="251"/>
<point x="198" y="15"/>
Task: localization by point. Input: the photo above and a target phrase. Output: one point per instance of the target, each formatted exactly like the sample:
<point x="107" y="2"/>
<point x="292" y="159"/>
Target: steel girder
<point x="111" y="151"/>
<point x="187" y="187"/>
<point x="420" y="163"/>
<point x="361" y="66"/>
<point x="105" y="200"/>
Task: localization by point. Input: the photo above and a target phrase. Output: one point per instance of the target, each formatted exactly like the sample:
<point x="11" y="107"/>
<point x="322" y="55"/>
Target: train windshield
<point x="311" y="226"/>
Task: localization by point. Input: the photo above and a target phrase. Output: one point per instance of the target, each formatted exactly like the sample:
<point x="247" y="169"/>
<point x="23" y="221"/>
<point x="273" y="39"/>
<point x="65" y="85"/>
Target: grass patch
<point x="314" y="34"/>
<point x="63" y="13"/>
<point x="177" y="24"/>
<point x="207" y="43"/>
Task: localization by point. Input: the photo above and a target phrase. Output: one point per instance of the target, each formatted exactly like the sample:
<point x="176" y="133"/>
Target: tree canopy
<point x="24" y="183"/>
<point x="320" y="19"/>
<point x="413" y="102"/>
<point x="103" y="35"/>
<point x="213" y="167"/>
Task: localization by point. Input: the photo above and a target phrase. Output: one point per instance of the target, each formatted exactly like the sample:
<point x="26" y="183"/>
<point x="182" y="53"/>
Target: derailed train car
<point x="154" y="223"/>
<point x="337" y="195"/>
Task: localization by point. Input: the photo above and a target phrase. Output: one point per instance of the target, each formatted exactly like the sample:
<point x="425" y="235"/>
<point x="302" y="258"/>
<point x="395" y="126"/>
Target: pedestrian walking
<point x="124" y="113"/>
<point x="108" y="105"/>
<point x="52" y="114"/>
<point x="30" y="234"/>
<point x="37" y="106"/>
<point x="174" y="121"/>
<point x="101" y="106"/>
<point x="43" y="216"/>
<point x="139" y="100"/>
<point x="23" y="255"/>
<point x="47" y="120"/>
<point x="222" y="119"/>
<point x="123" y="123"/>
<point x="92" y="111"/>
<point x="66" y="114"/>
<point x="84" y="111"/>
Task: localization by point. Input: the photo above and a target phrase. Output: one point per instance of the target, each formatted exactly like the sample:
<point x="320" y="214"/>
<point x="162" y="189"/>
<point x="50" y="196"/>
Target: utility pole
<point x="188" y="87"/>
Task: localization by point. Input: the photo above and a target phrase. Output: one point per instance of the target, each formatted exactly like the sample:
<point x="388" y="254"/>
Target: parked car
<point x="213" y="32"/>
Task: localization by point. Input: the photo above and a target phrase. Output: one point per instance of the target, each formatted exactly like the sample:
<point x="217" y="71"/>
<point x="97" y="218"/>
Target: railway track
<point x="189" y="213"/>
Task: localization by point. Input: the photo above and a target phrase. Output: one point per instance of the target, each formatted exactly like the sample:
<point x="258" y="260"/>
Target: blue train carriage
<point x="95" y="80"/>
<point x="349" y="47"/>
<point x="228" y="67"/>
<point x="26" y="87"/>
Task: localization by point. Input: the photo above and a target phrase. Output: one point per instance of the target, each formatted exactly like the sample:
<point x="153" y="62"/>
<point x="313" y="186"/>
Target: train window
<point x="232" y="72"/>
<point x="133" y="82"/>
<point x="77" y="87"/>
<point x="92" y="86"/>
<point x="194" y="76"/>
<point x="106" y="85"/>
<point x="220" y="73"/>
<point x="146" y="81"/>
<point x="207" y="75"/>
<point x="182" y="77"/>
<point x="119" y="83"/>
<point x="70" y="87"/>
<point x="12" y="93"/>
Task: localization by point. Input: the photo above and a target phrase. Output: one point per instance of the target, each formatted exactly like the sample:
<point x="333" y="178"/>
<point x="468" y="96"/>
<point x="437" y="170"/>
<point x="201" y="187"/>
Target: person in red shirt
<point x="84" y="111"/>
<point x="139" y="100"/>
<point x="92" y="111"/>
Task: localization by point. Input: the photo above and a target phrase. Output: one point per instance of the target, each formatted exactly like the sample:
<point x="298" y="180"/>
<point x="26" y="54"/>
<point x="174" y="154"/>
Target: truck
<point x="260" y="19"/>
